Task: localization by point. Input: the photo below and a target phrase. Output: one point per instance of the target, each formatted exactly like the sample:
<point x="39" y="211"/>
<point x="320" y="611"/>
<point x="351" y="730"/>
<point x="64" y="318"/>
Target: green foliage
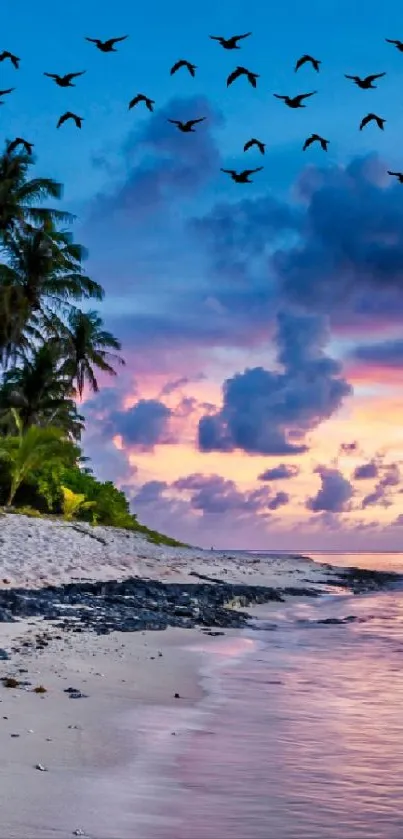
<point x="74" y="503"/>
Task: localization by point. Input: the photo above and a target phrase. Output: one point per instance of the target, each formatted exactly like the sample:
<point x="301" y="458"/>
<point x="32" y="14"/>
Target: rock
<point x="176" y="696"/>
<point x="40" y="689"/>
<point x="10" y="682"/>
<point x="4" y="656"/>
<point x="77" y="695"/>
<point x="78" y="832"/>
<point x="41" y="767"/>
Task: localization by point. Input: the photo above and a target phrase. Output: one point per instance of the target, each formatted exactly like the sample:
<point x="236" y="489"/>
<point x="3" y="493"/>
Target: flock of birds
<point x="187" y="127"/>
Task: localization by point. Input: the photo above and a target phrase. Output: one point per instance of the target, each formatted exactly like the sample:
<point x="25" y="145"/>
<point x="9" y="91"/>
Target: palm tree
<point x="42" y="391"/>
<point x="19" y="195"/>
<point x="31" y="448"/>
<point x="42" y="276"/>
<point x="87" y="346"/>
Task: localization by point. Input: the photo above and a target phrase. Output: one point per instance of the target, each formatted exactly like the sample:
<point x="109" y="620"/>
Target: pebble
<point x="41" y="767"/>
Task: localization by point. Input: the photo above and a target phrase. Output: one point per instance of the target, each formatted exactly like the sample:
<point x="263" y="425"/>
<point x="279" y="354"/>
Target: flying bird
<point x="398" y="175"/>
<point x="242" y="71"/>
<point x="305" y="59"/>
<point x="295" y="101"/>
<point x="186" y="127"/>
<point x="5" y="92"/>
<point x="107" y="46"/>
<point x="20" y="142"/>
<point x="253" y="142"/>
<point x="230" y="43"/>
<point x="315" y="138"/>
<point x="183" y="63"/>
<point x="13" y="58"/>
<point x="365" y="83"/>
<point x="398" y="44"/>
<point x="372" y="118"/>
<point x="64" y="81"/>
<point x="142" y="98"/>
<point x="70" y="115"/>
<point x="242" y="177"/>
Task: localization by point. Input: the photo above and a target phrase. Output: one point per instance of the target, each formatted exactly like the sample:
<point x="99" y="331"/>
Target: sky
<point x="261" y="405"/>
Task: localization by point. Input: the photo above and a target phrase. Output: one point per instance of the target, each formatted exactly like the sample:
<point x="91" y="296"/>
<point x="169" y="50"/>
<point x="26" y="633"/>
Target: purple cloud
<point x="366" y="471"/>
<point x="381" y="354"/>
<point x="281" y="472"/>
<point x="280" y="499"/>
<point x="334" y="494"/>
<point x="268" y="412"/>
<point x="349" y="448"/>
<point x="144" y="425"/>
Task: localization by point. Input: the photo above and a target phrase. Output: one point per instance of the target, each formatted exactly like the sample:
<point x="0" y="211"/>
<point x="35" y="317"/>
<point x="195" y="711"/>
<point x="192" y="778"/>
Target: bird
<point x="70" y="115"/>
<point x="253" y="142"/>
<point x="295" y="101"/>
<point x="242" y="71"/>
<point x="398" y="44"/>
<point x="183" y="63"/>
<point x="186" y="127"/>
<point x="64" y="81"/>
<point x="142" y="98"/>
<point x="398" y="175"/>
<point x="372" y="118"/>
<point x="20" y="142"/>
<point x="13" y="58"/>
<point x="305" y="59"/>
<point x="5" y="92"/>
<point x="230" y="43"/>
<point x="313" y="139"/>
<point x="365" y="83"/>
<point x="109" y="45"/>
<point x="242" y="177"/>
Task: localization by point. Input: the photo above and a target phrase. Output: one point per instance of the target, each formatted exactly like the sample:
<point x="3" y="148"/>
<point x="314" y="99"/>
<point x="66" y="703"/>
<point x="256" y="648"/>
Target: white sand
<point x="103" y="754"/>
<point x="36" y="552"/>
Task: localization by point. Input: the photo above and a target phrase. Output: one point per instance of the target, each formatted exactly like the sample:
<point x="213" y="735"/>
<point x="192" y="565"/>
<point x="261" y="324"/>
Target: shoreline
<point x="107" y="754"/>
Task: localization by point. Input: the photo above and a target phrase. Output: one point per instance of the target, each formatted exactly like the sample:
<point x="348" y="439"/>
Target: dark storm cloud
<point x="268" y="412"/>
<point x="281" y="472"/>
<point x="334" y="494"/>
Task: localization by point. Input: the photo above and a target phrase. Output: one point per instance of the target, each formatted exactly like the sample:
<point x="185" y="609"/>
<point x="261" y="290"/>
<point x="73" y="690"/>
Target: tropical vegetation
<point x="52" y="349"/>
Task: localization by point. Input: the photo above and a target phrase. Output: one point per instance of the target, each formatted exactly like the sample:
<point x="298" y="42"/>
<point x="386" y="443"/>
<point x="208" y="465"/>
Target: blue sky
<point x="196" y="268"/>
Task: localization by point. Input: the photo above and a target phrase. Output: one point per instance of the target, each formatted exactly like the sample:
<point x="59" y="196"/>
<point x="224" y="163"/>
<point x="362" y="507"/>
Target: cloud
<point x="281" y="472"/>
<point x="366" y="471"/>
<point x="381" y="495"/>
<point x="150" y="492"/>
<point x="144" y="425"/>
<point x="334" y="494"/>
<point x="349" y="448"/>
<point x="212" y="494"/>
<point x="266" y="412"/>
<point x="381" y="354"/>
<point x="280" y="499"/>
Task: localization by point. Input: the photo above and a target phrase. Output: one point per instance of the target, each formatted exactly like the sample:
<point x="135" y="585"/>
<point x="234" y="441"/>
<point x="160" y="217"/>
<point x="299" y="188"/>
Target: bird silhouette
<point x="70" y="115"/>
<point x="230" y="43"/>
<point x="398" y="175"/>
<point x="142" y="98"/>
<point x="186" y="127"/>
<point x="295" y="101"/>
<point x="305" y="59"/>
<point x="5" y="92"/>
<point x="253" y="142"/>
<point x="372" y="118"/>
<point x="183" y="63"/>
<point x="315" y="138"/>
<point x="365" y="83"/>
<point x="13" y="58"/>
<point x="398" y="44"/>
<point x="20" y="142"/>
<point x="64" y="81"/>
<point x="242" y="71"/>
<point x="109" y="45"/>
<point x="242" y="177"/>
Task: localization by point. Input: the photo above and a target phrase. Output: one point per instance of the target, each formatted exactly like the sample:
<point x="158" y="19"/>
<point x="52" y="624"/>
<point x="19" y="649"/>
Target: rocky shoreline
<point x="134" y="604"/>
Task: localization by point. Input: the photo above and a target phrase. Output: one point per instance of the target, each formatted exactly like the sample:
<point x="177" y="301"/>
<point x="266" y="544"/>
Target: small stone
<point x="10" y="682"/>
<point x="4" y="656"/>
<point x="176" y="696"/>
<point x="40" y="689"/>
<point x="41" y="767"/>
<point x="14" y="735"/>
<point x="78" y="832"/>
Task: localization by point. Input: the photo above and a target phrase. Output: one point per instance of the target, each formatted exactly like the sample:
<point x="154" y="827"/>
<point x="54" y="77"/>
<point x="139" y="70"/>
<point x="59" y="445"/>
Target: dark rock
<point x="4" y="656"/>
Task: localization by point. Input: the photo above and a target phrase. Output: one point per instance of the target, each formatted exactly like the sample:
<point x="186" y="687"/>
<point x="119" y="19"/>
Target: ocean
<point x="299" y="734"/>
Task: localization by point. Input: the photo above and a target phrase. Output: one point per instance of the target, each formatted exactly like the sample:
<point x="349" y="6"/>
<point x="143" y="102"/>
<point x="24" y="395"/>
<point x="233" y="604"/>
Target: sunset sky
<point x="261" y="405"/>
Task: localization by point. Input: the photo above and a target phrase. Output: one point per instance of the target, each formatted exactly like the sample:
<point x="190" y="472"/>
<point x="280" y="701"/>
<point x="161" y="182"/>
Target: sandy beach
<point x="100" y="748"/>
